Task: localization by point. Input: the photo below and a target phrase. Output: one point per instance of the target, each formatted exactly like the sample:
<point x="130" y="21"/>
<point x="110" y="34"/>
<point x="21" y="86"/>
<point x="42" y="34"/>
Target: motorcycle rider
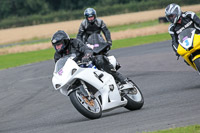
<point x="65" y="45"/>
<point x="180" y="21"/>
<point x="92" y="24"/>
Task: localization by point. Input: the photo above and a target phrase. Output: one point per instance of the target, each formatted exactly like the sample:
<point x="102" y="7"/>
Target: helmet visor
<point x="171" y="17"/>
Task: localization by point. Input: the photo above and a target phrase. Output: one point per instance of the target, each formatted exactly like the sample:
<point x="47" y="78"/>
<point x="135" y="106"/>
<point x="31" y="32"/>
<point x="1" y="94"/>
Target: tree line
<point x="29" y="7"/>
<point x="14" y="13"/>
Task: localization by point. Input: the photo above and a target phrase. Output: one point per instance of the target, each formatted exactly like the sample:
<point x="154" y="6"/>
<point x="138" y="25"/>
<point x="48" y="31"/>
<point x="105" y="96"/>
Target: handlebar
<point x="85" y="64"/>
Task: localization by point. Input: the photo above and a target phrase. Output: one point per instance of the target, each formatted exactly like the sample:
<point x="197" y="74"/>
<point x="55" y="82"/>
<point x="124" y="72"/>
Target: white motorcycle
<point x="93" y="91"/>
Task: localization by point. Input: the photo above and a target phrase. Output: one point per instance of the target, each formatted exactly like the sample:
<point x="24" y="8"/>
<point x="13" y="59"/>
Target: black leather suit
<point x="86" y="29"/>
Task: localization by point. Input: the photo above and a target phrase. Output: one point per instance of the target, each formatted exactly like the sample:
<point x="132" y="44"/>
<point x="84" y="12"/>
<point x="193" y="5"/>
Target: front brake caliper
<point x="90" y="102"/>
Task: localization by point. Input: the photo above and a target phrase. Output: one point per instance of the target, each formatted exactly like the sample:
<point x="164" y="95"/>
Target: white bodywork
<point x="106" y="86"/>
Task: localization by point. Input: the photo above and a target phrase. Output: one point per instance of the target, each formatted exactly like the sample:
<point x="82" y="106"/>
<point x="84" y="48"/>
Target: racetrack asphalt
<point x="171" y="89"/>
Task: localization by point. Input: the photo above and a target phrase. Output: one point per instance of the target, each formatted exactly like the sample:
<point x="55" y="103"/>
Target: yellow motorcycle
<point x="189" y="47"/>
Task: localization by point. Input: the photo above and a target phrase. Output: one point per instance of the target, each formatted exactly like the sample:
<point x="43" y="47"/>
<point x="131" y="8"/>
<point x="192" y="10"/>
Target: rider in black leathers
<point x="180" y="21"/>
<point x="65" y="45"/>
<point x="92" y="24"/>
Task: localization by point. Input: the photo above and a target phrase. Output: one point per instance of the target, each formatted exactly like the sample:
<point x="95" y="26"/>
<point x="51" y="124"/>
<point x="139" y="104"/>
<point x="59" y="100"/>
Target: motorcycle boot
<point x="123" y="83"/>
<point x="118" y="77"/>
<point x="102" y="63"/>
<point x="128" y="85"/>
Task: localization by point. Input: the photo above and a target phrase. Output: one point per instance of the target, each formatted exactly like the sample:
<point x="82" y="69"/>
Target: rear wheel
<point x="197" y="63"/>
<point x="89" y="108"/>
<point x="134" y="97"/>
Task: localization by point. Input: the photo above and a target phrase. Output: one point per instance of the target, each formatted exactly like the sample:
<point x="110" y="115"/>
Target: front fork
<point x="85" y="91"/>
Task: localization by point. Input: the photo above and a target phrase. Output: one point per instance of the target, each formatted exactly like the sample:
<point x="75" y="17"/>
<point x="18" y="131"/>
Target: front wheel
<point x="197" y="63"/>
<point x="134" y="97"/>
<point x="89" y="108"/>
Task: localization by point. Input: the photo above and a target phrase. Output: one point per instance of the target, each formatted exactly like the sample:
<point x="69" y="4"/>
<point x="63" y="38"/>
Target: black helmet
<point x="60" y="40"/>
<point x="90" y="13"/>
<point x="173" y="12"/>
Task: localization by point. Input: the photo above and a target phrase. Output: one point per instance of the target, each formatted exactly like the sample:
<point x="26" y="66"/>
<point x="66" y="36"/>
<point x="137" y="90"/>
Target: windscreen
<point x="61" y="62"/>
<point x="98" y="42"/>
<point x="185" y="34"/>
<point x="95" y="39"/>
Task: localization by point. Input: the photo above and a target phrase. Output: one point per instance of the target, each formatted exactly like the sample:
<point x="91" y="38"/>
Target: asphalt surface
<point x="171" y="89"/>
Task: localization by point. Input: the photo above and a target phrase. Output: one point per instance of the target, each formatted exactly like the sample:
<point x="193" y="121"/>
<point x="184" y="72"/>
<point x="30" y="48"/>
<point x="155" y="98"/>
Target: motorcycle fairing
<point x="187" y="54"/>
<point x="186" y="38"/>
<point x="110" y="97"/>
<point x="65" y="70"/>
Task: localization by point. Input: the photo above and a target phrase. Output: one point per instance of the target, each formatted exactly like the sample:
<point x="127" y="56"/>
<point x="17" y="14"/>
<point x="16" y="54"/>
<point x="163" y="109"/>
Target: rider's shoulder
<point x="75" y="41"/>
<point x="99" y="22"/>
<point x="84" y="23"/>
<point x="188" y="14"/>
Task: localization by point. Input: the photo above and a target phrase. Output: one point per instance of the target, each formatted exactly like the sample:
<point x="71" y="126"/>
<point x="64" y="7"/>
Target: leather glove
<point x="110" y="43"/>
<point x="109" y="47"/>
<point x="87" y="58"/>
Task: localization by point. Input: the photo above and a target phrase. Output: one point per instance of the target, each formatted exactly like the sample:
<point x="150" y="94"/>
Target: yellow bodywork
<point x="186" y="54"/>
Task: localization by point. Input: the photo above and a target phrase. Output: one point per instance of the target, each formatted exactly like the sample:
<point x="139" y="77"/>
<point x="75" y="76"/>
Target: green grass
<point x="18" y="59"/>
<point x="133" y="26"/>
<point x="187" y="129"/>
<point x="13" y="60"/>
<point x="140" y="40"/>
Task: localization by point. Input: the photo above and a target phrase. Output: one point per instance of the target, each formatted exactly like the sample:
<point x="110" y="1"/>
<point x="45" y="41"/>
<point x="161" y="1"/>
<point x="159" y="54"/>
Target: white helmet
<point x="173" y="12"/>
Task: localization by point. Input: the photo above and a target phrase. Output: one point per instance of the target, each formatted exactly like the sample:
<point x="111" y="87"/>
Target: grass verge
<point x="140" y="40"/>
<point x="187" y="129"/>
<point x="13" y="60"/>
<point x="133" y="26"/>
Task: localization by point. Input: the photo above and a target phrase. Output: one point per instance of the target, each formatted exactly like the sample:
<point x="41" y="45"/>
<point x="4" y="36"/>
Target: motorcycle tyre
<point x="197" y="63"/>
<point x="82" y="109"/>
<point x="134" y="105"/>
